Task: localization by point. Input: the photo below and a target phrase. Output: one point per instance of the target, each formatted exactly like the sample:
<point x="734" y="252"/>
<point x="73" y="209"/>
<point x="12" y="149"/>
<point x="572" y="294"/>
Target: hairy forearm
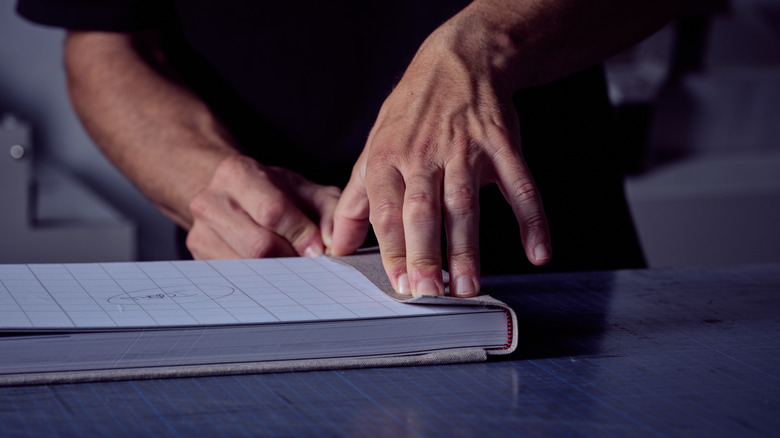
<point x="532" y="42"/>
<point x="156" y="131"/>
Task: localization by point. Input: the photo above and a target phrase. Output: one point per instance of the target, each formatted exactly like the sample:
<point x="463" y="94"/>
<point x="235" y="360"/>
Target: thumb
<point x="321" y="203"/>
<point x="350" y="219"/>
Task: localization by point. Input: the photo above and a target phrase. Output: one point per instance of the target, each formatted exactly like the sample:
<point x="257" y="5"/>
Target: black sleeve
<point x="99" y="15"/>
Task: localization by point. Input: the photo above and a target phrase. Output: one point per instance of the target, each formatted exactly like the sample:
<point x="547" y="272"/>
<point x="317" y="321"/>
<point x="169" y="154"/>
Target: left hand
<point x="447" y="129"/>
<point x="249" y="210"/>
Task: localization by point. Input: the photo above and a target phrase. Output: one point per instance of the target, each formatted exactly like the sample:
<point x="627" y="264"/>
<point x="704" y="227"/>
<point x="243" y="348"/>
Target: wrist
<point x="486" y="37"/>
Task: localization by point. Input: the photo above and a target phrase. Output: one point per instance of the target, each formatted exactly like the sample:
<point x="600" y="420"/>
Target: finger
<point x="385" y="192"/>
<point x="519" y="189"/>
<point x="461" y="220"/>
<point x="351" y="218"/>
<point x="422" y="230"/>
<point x="272" y="209"/>
<point x="204" y="244"/>
<point x="233" y="227"/>
<point x="321" y="201"/>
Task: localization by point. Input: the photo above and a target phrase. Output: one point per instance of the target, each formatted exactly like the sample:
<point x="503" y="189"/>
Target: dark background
<point x="699" y="105"/>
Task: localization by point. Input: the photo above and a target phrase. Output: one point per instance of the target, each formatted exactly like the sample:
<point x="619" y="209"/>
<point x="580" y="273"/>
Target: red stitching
<point x="510" y="332"/>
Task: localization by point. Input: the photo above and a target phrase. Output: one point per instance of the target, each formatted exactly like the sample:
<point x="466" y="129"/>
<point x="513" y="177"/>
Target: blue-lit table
<point x="688" y="352"/>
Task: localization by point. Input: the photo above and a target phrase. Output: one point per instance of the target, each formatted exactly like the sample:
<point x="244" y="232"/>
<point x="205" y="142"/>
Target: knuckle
<point x="421" y="200"/>
<point x="421" y="208"/>
<point x="199" y="205"/>
<point x="422" y="152"/>
<point x="385" y="215"/>
<point x="524" y="190"/>
<point x="535" y="223"/>
<point x="270" y="214"/>
<point x="198" y="242"/>
<point x="382" y="156"/>
<point x="193" y="243"/>
<point x="228" y="168"/>
<point x="425" y="262"/>
<point x="463" y="258"/>
<point x="499" y="132"/>
<point x="394" y="261"/>
<point x="238" y="169"/>
<point x="463" y="253"/>
<point x="460" y="200"/>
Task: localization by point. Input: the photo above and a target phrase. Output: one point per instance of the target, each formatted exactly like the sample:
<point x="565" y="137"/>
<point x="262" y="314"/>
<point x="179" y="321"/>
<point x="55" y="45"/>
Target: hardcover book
<point x="115" y="321"/>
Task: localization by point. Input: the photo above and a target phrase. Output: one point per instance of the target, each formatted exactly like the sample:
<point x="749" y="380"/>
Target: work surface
<point x="688" y="352"/>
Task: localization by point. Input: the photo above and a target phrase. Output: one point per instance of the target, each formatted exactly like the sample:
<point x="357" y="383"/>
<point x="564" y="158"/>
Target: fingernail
<point x="426" y="286"/>
<point x="465" y="286"/>
<point x="312" y="251"/>
<point x="541" y="252"/>
<point x="403" y="285"/>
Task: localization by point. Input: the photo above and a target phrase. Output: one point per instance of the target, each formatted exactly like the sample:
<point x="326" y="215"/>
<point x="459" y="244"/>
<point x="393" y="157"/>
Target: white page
<point x="183" y="293"/>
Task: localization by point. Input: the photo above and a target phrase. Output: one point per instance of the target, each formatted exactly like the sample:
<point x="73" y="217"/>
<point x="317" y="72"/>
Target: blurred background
<point x="698" y="106"/>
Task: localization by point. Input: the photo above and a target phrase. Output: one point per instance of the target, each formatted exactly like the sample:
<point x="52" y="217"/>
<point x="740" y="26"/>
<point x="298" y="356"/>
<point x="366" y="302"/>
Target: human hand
<point x="249" y="210"/>
<point x="447" y="129"/>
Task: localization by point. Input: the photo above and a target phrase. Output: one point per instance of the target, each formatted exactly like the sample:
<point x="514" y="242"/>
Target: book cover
<point x="87" y="322"/>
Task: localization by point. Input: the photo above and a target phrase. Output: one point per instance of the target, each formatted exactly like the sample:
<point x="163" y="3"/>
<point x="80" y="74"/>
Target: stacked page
<point x="85" y="318"/>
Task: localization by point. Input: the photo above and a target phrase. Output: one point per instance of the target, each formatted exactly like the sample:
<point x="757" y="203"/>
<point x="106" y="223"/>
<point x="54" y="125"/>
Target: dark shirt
<point x="300" y="85"/>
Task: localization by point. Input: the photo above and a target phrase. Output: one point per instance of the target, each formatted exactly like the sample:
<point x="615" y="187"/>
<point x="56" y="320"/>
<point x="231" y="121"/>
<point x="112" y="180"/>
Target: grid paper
<point x="185" y="293"/>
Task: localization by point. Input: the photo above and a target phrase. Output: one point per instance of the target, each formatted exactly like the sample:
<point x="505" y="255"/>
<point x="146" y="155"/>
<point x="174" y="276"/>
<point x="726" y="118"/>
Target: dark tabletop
<point x="665" y="352"/>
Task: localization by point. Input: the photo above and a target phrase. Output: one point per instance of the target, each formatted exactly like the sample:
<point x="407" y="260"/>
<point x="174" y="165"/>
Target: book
<point x="108" y="321"/>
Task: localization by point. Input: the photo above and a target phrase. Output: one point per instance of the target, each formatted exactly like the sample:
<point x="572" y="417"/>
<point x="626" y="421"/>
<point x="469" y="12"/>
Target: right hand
<point x="448" y="129"/>
<point x="249" y="210"/>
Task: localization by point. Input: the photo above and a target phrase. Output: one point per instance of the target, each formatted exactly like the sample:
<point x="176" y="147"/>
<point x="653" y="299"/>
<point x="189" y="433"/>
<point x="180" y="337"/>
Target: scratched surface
<point x="692" y="352"/>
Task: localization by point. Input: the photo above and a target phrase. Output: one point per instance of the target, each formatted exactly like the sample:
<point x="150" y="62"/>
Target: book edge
<point x="466" y="355"/>
<point x="368" y="262"/>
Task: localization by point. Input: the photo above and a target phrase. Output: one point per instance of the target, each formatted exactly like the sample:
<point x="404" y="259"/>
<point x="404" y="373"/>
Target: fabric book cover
<point x="114" y="321"/>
